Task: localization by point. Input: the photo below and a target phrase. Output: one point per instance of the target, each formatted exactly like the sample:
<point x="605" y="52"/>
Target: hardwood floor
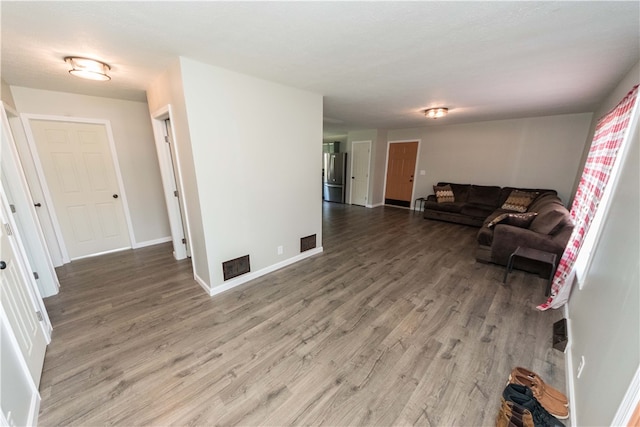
<point x="394" y="324"/>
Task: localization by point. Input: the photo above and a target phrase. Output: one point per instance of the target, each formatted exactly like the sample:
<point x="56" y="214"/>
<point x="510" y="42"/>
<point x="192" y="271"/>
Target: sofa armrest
<point x="431" y="198"/>
<point x="506" y="238"/>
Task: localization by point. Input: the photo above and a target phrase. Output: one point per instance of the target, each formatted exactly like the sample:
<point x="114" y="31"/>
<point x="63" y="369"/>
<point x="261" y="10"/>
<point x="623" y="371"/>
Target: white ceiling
<point x="378" y="64"/>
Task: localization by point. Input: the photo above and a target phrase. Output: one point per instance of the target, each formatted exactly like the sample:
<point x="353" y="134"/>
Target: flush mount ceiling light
<point x="88" y="68"/>
<point x="436" y="113"/>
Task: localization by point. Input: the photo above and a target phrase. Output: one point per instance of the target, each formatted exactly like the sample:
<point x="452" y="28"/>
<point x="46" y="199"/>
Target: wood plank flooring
<point x="394" y="324"/>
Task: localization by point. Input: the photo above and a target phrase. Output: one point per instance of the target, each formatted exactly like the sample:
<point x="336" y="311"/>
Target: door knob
<point x="115" y="196"/>
<point x="3" y="265"/>
<point x="37" y="205"/>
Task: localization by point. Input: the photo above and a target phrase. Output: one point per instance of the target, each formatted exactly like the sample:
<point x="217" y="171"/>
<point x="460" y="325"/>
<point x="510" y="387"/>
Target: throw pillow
<point x="444" y="193"/>
<point x="522" y="220"/>
<point x="519" y="201"/>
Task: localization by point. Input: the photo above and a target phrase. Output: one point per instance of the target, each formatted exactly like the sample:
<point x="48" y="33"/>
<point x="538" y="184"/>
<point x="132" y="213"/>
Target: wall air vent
<point x="307" y="243"/>
<point x="236" y="267"/>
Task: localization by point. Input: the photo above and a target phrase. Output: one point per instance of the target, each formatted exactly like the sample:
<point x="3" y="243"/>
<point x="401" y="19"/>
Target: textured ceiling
<point x="378" y="64"/>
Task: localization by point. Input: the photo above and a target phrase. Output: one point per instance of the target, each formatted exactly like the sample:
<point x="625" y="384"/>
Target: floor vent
<point x="560" y="338"/>
<point x="307" y="243"/>
<point x="236" y="267"/>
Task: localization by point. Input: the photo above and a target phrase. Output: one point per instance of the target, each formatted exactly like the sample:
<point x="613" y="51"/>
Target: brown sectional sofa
<point x="478" y="205"/>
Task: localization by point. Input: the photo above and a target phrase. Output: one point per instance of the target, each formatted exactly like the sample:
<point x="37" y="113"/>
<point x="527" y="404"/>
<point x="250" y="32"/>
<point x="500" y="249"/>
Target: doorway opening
<point x="173" y="188"/>
<point x="360" y="171"/>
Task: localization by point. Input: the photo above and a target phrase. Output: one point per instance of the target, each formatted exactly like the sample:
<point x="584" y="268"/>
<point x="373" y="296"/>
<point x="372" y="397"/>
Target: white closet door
<point x="80" y="175"/>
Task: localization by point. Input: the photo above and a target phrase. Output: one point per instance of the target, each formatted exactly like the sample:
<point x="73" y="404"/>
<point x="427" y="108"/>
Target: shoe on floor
<point x="553" y="406"/>
<point x="513" y="415"/>
<point x="523" y="396"/>
<point x="535" y="378"/>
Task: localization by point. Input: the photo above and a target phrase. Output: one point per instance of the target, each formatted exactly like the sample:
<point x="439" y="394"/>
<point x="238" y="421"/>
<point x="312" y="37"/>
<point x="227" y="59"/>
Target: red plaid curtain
<point x="608" y="137"/>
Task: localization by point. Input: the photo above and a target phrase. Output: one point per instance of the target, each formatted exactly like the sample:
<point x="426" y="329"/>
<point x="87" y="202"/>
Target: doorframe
<point x="26" y="117"/>
<point x="368" y="171"/>
<point x="37" y="302"/>
<point x="170" y="181"/>
<point x="33" y="185"/>
<point x="48" y="284"/>
<point x="415" y="172"/>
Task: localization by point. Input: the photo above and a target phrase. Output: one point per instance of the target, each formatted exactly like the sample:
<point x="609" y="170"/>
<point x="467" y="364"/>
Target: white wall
<point x="258" y="187"/>
<point x="605" y="313"/>
<point x="537" y="152"/>
<point x="166" y="90"/>
<point x="134" y="145"/>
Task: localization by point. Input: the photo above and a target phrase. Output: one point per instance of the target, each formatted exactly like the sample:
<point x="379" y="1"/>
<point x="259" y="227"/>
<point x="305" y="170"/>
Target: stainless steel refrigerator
<point x="333" y="177"/>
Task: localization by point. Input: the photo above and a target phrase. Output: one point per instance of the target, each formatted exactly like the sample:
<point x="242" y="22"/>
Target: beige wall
<point x="537" y="152"/>
<point x="166" y="90"/>
<point x="134" y="146"/>
<point x="259" y="188"/>
<point x="605" y="314"/>
<point x="378" y="166"/>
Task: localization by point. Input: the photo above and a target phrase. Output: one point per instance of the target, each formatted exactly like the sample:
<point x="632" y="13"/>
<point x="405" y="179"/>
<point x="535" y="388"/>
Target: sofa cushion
<point x="444" y="193"/>
<point x="460" y="191"/>
<point x="542" y="200"/>
<point x="522" y="220"/>
<point x="477" y="210"/>
<point x="485" y="236"/>
<point x="506" y="192"/>
<point x="519" y="201"/>
<point x="484" y="195"/>
<point x="550" y="218"/>
<point x="454" y="207"/>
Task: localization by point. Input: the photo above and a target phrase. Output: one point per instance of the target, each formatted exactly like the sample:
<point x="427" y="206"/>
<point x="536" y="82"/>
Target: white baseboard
<point x="100" y="253"/>
<point x="202" y="283"/>
<point x="232" y="283"/>
<point x="568" y="372"/>
<point x="139" y="245"/>
<point x="375" y="205"/>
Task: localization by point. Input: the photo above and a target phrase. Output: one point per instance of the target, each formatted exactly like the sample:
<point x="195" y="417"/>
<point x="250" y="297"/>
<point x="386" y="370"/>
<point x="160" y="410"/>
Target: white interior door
<point x="17" y="192"/>
<point x="360" y="162"/>
<point x="17" y="298"/>
<point x="81" y="179"/>
<point x="169" y="162"/>
<point x="175" y="173"/>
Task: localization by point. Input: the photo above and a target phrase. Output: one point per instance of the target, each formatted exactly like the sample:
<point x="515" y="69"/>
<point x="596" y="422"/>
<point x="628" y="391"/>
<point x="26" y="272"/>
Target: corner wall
<point x="167" y="89"/>
<point x="259" y="188"/>
<point x="536" y="152"/>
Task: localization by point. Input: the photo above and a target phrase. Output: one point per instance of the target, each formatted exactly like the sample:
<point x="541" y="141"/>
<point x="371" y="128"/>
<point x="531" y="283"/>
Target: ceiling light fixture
<point x="436" y="113"/>
<point x="88" y="68"/>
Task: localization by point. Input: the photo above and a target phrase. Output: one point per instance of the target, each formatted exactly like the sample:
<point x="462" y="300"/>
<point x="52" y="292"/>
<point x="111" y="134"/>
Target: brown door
<point x="400" y="169"/>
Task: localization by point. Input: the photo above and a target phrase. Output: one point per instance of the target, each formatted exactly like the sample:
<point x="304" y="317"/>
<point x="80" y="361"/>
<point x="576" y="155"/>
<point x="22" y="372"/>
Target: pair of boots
<point x="528" y="402"/>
